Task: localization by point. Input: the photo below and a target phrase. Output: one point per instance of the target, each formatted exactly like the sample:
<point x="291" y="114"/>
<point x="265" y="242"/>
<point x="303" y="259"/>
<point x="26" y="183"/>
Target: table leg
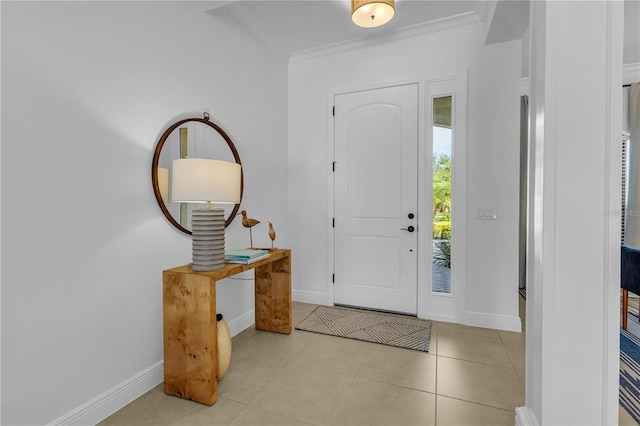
<point x="190" y="337"/>
<point x="273" y="296"/>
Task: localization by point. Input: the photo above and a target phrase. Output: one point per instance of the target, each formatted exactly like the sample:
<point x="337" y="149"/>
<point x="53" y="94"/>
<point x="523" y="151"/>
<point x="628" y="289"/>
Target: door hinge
<point x="333" y="111"/>
<point x="333" y="222"/>
<point x="333" y="278"/>
<point x="333" y="166"/>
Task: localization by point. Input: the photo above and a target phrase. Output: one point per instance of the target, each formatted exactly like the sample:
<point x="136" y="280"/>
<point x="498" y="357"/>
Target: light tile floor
<point x="471" y="376"/>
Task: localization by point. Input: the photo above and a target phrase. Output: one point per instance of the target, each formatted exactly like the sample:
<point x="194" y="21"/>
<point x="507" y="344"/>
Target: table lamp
<point x="198" y="180"/>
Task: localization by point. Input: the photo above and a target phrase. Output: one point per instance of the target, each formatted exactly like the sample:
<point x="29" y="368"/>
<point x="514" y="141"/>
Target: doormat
<point x="387" y="329"/>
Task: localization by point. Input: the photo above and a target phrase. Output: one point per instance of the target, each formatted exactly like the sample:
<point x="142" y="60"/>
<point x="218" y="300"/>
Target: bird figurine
<point x="272" y="233"/>
<point x="248" y="223"/>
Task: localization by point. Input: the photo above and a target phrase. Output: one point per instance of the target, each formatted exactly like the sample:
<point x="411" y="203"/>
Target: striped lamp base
<point x="207" y="232"/>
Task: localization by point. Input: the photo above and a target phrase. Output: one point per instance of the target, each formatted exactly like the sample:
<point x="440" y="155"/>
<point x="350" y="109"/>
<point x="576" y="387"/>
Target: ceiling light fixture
<point x="372" y="13"/>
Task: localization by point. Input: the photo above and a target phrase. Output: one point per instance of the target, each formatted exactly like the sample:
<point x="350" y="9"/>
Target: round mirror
<point x="190" y="138"/>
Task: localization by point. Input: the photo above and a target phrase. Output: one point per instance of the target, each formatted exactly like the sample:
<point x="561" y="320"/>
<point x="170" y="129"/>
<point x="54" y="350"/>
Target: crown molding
<point x="463" y="20"/>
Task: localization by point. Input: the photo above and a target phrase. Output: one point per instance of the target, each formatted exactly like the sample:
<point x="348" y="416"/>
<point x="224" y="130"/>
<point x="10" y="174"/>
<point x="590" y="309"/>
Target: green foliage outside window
<point x="442" y="210"/>
<point x="442" y="254"/>
<point x="441" y="184"/>
<point x="441" y="230"/>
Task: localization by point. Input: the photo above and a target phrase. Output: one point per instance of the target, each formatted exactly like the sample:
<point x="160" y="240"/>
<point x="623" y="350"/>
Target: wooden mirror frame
<point x="156" y="159"/>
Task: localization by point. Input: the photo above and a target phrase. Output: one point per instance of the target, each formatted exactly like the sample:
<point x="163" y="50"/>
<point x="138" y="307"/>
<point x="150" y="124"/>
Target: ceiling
<point x="295" y="28"/>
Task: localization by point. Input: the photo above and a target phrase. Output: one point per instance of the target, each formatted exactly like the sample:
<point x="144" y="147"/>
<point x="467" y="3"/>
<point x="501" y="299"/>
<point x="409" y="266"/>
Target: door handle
<point x="408" y="229"/>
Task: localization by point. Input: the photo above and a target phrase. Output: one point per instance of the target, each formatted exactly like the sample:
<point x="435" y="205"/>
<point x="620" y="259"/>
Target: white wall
<point x="493" y="76"/>
<point x="88" y="88"/>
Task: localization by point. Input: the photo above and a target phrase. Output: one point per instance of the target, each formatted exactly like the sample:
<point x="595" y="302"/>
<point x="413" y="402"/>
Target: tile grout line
<point x="513" y="367"/>
<point x="478" y="403"/>
<point x="510" y="367"/>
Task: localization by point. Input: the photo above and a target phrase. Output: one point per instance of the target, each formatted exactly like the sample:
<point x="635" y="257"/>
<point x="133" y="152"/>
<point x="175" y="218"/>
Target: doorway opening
<point x="375" y="198"/>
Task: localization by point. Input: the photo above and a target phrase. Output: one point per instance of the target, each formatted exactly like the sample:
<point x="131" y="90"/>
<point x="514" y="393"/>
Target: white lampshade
<point x="199" y="180"/>
<point x="372" y="13"/>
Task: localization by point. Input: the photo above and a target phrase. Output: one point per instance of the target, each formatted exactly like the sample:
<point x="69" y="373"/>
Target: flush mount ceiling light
<point x="372" y="13"/>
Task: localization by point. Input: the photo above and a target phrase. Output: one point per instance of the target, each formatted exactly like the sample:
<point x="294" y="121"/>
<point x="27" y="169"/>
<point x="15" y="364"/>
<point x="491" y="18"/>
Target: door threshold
<point x="384" y="311"/>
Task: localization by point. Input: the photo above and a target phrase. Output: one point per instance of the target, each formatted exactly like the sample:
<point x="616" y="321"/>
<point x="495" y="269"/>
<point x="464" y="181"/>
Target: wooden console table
<point x="190" y="329"/>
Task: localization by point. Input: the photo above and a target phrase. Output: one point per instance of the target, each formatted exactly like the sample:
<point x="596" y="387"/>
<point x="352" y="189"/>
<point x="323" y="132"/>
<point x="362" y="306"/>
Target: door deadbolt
<point x="411" y="215"/>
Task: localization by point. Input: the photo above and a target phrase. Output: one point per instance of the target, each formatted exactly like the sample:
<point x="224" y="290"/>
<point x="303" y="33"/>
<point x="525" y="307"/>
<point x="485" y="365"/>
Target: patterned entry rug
<point x="387" y="329"/>
<point x="630" y="373"/>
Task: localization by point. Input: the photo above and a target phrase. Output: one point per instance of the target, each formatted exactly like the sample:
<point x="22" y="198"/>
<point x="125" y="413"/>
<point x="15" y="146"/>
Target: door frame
<point x="448" y="307"/>
<point x="424" y="150"/>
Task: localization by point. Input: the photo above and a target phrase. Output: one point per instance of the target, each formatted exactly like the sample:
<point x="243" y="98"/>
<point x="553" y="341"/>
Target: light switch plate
<point x="487" y="213"/>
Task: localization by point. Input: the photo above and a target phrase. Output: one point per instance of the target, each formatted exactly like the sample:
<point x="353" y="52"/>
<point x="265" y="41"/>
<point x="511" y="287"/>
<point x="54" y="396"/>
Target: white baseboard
<point x="242" y="322"/>
<point x="498" y="322"/>
<point x="114" y="399"/>
<point x="525" y="417"/>
<point x="312" y="297"/>
<point x="122" y="394"/>
<point x="441" y="318"/>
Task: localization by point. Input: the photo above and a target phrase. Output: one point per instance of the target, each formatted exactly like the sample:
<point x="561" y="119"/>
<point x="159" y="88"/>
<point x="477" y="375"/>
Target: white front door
<point x="376" y="217"/>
